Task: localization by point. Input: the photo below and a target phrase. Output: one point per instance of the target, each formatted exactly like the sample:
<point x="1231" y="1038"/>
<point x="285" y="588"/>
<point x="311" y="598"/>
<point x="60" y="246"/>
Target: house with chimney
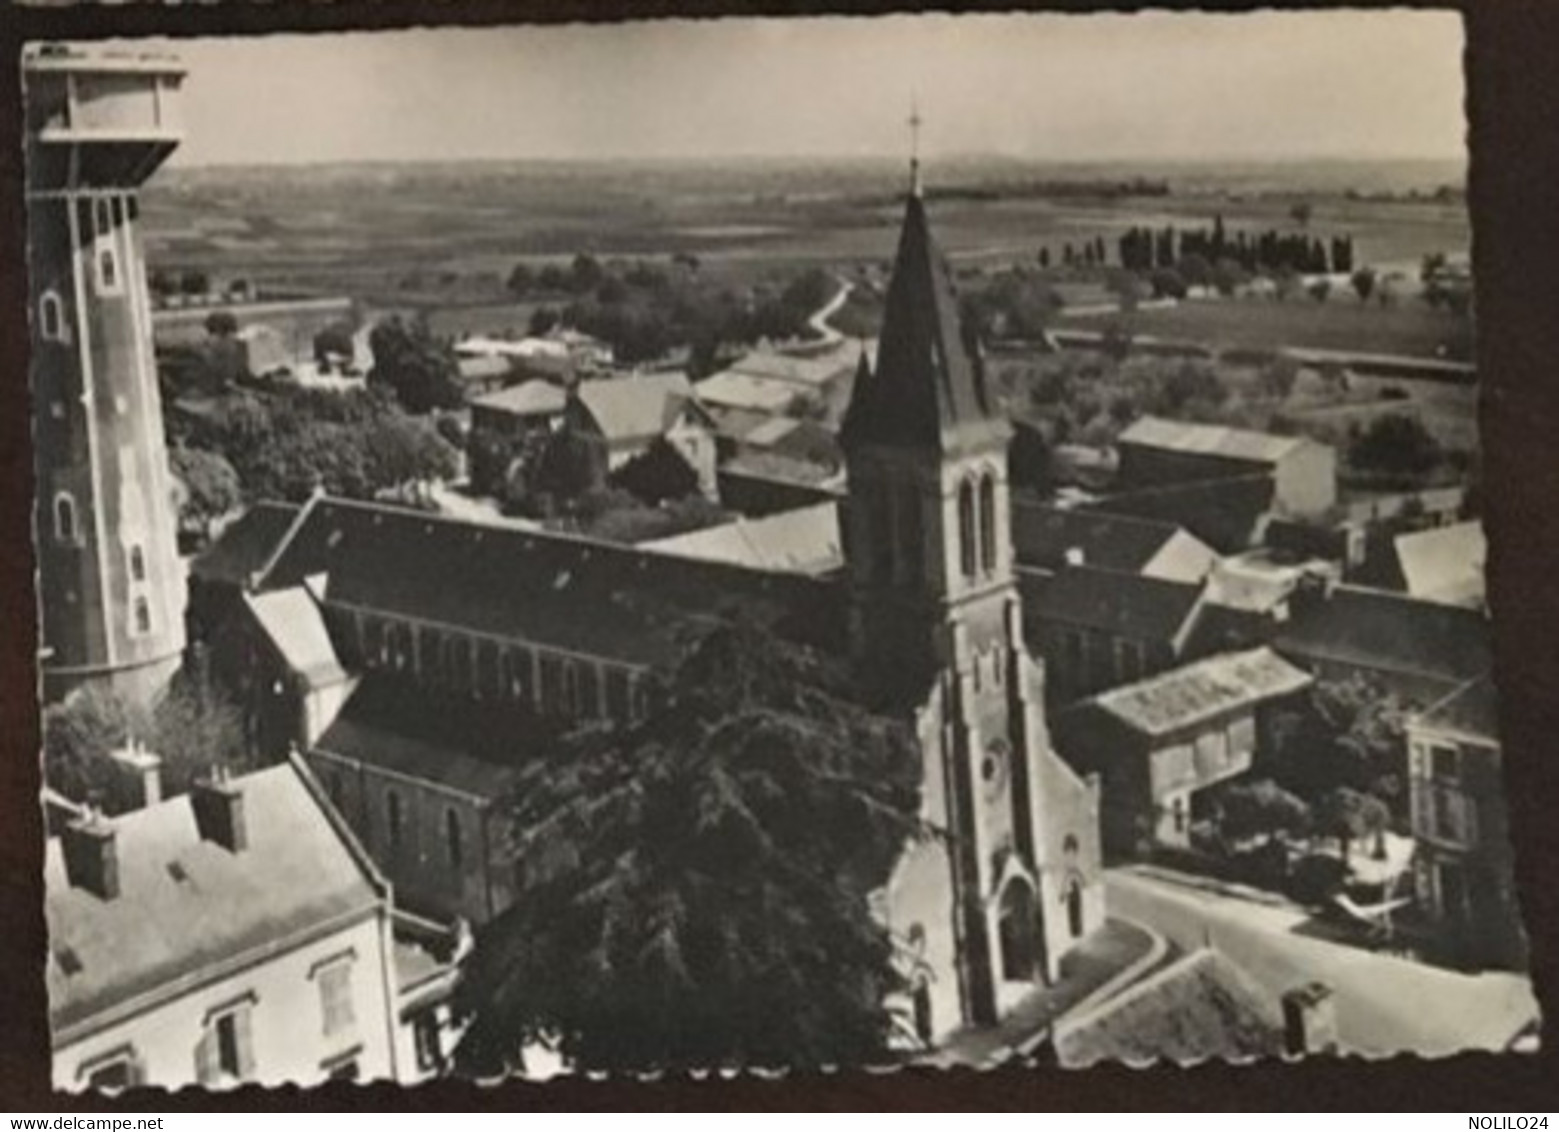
<point x="232" y="935"/>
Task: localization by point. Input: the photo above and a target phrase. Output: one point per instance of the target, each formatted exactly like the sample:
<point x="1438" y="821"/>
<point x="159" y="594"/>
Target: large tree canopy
<point x="693" y="888"/>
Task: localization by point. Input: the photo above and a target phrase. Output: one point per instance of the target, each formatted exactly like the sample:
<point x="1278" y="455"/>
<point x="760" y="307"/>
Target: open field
<point x="1411" y="327"/>
<point x="440" y="236"/>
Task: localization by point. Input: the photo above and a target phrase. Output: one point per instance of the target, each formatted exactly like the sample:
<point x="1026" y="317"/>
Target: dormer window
<point x="51" y="318"/>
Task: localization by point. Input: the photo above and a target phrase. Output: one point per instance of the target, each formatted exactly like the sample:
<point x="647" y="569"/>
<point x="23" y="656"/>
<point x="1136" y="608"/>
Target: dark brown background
<point x="1513" y="114"/>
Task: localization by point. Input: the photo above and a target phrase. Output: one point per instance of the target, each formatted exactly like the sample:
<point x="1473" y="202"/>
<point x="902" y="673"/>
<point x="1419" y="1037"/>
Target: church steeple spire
<point x="929" y="389"/>
<point x="914" y="147"/>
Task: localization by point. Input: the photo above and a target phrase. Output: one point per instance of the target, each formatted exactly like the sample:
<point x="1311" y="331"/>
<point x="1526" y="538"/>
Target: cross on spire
<point x="914" y="145"/>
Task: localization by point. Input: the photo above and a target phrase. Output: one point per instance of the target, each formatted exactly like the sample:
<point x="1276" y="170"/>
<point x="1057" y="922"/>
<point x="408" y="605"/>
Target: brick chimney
<point x="1309" y="1020"/>
<point x="219" y="812"/>
<point x="139" y="781"/>
<point x="91" y="855"/>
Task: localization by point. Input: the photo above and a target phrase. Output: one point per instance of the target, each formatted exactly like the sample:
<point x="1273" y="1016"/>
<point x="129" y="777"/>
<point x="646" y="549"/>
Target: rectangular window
<point x="335" y="996"/>
<point x="102" y="223"/>
<point x="225" y="1051"/>
<point x="1444" y="764"/>
<point x="137" y="563"/>
<point x="143" y="617"/>
<point x="617" y="694"/>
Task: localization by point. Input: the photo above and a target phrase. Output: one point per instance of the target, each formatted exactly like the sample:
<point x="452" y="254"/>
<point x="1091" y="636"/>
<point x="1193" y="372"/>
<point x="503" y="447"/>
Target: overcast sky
<point x="1157" y="86"/>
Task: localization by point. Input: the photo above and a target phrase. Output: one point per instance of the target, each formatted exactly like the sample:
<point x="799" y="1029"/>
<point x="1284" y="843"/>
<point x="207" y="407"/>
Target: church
<point x="359" y="632"/>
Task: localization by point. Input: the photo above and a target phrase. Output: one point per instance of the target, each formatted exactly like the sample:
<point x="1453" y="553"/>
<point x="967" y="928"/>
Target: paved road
<point x="819" y="320"/>
<point x="1385" y="1004"/>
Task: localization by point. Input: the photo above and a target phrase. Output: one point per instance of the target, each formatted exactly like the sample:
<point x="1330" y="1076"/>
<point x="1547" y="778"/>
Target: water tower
<point x="111" y="586"/>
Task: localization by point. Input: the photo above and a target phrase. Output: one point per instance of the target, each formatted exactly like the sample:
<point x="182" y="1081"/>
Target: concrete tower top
<point x="98" y="119"/>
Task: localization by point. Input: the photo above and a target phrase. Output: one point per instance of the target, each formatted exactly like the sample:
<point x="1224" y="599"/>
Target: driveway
<point x="1385" y="1004"/>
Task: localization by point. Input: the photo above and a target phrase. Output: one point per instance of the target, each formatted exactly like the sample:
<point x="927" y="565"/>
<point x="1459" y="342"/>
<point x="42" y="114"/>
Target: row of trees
<point x="1144" y="249"/>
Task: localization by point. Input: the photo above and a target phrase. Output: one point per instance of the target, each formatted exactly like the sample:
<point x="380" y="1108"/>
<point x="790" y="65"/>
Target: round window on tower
<point x="994" y="767"/>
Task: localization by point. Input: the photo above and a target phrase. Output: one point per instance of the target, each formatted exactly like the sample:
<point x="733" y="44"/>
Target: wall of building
<point x="287" y="1039"/>
<point x="429" y="876"/>
<point x="1461" y="824"/>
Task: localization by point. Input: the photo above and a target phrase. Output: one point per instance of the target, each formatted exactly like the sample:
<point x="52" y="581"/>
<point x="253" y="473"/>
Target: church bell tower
<point x="111" y="588"/>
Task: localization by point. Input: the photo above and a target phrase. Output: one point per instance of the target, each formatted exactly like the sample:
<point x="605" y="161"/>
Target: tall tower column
<point x="110" y="584"/>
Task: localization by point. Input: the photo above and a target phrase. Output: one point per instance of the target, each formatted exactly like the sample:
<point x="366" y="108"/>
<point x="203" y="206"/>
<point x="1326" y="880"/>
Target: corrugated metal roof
<point x="1210" y="440"/>
<point x="1202" y="690"/>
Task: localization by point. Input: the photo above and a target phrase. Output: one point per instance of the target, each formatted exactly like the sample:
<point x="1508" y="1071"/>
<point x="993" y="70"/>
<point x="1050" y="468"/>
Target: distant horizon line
<point x="878" y="158"/>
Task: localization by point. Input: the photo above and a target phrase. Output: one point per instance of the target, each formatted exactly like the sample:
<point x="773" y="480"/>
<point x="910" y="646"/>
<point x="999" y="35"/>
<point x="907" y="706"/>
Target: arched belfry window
<point x="65" y="517"/>
<point x="966" y="533"/>
<point x="51" y="317"/>
<point x="988" y="523"/>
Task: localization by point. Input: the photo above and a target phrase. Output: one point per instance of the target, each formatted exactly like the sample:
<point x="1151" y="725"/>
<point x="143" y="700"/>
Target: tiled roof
<point x="929" y="387"/>
<point x="805" y="540"/>
<point x="573" y="594"/>
<point x="1470" y="711"/>
<point x="1111" y="601"/>
<point x="245" y="544"/>
<point x="528" y="399"/>
<point x="186" y="906"/>
<point x="1389" y="632"/>
<point x="294" y="624"/>
<point x="806" y="370"/>
<point x="1225" y="512"/>
<point x="744" y="391"/>
<point x="1043" y="536"/>
<point x="636" y="408"/>
<point x="1201" y="1006"/>
<point x="1202" y="690"/>
<point x="1445" y="563"/>
<point x="1210" y="440"/>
